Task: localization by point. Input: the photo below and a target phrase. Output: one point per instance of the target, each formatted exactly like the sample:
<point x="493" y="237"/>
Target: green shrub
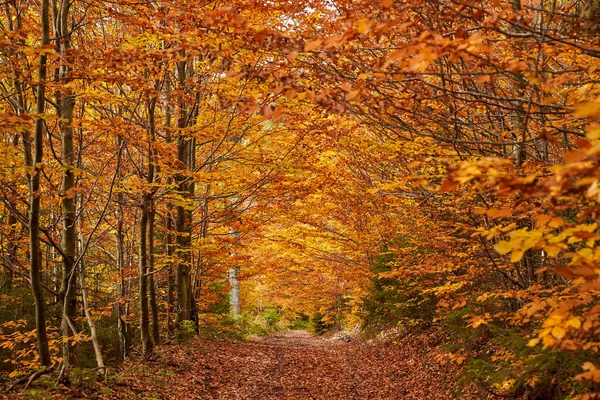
<point x="185" y="332"/>
<point x="271" y="316"/>
<point x="302" y="323"/>
<point x="321" y="324"/>
<point x="394" y="301"/>
<point x="83" y="378"/>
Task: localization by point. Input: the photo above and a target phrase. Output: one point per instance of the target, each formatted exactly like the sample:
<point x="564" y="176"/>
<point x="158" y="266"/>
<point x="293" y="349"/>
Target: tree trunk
<point x="143" y="280"/>
<point x="121" y="310"/>
<point x="234" y="292"/>
<point x="151" y="216"/>
<point x="122" y="325"/>
<point x="169" y="221"/>
<point x="66" y="104"/>
<point x="84" y="297"/>
<point x="151" y="282"/>
<point x="34" y="208"/>
<point x="171" y="277"/>
<point x="11" y="248"/>
<point x="183" y="221"/>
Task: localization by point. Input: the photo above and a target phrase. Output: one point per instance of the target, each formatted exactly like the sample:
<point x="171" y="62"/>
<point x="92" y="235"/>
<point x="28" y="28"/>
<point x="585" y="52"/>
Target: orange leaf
<point x="448" y="186"/>
<point x="313" y="45"/>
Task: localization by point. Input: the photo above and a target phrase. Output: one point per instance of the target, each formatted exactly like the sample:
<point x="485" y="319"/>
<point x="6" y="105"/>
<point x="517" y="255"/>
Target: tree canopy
<point x="383" y="163"/>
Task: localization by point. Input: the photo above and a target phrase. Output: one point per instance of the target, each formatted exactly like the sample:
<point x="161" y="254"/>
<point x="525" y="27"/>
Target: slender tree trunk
<point x="34" y="208"/>
<point x="11" y="248"/>
<point x="182" y="223"/>
<point x="121" y="309"/>
<point x="234" y="292"/>
<point x="66" y="105"/>
<point x="85" y="301"/>
<point x="151" y="282"/>
<point x="122" y="325"/>
<point x="171" y="277"/>
<point x="143" y="280"/>
<point x="151" y="216"/>
<point x="169" y="222"/>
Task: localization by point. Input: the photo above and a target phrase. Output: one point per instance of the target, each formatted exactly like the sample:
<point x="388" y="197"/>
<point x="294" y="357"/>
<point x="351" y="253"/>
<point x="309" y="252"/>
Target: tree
<point x="34" y="199"/>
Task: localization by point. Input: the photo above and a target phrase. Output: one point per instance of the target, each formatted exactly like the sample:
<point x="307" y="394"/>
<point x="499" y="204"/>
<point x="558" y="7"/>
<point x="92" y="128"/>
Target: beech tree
<point x="163" y="161"/>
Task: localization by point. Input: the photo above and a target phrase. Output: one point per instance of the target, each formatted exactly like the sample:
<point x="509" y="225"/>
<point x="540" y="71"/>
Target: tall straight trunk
<point x="182" y="226"/>
<point x="169" y="221"/>
<point x="183" y="219"/>
<point x="143" y="280"/>
<point x="66" y="104"/>
<point x="151" y="280"/>
<point x="146" y="276"/>
<point x="35" y="262"/>
<point x="171" y="277"/>
<point x="152" y="161"/>
<point x="122" y="326"/>
<point x="191" y="162"/>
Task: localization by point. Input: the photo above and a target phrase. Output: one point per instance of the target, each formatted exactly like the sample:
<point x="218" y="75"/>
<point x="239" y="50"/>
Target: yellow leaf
<point x="586" y="110"/>
<point x="556" y="222"/>
<point x="553" y="249"/>
<point x="558" y="332"/>
<point x="588" y="366"/>
<point x="593" y="132"/>
<point x="549" y="341"/>
<point x="516" y="256"/>
<point x="533" y="342"/>
<point x="476" y="321"/>
<point x="575" y="322"/>
<point x="503" y="247"/>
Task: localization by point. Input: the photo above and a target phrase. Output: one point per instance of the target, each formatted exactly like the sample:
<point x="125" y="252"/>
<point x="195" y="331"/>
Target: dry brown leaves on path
<point x="291" y="365"/>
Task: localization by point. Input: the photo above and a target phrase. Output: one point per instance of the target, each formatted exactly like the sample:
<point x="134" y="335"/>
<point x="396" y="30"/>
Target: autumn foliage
<point x="424" y="164"/>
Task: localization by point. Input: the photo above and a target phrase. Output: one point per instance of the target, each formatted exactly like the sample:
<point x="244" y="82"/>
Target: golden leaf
<point x="503" y="247"/>
<point x="516" y="256"/>
<point x="574" y="322"/>
<point x="586" y="110"/>
<point x="559" y="332"/>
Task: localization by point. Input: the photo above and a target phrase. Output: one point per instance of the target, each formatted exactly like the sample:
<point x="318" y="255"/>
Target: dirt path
<point x="291" y="365"/>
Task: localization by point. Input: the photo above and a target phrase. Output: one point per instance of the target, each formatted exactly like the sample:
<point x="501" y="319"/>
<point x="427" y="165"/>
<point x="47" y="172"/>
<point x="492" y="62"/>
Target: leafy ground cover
<point x="288" y="365"/>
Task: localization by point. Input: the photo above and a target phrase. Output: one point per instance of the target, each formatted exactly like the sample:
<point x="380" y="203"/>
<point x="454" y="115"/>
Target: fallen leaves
<point x="292" y="365"/>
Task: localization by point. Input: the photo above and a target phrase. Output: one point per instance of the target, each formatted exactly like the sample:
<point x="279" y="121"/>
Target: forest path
<point x="289" y="365"/>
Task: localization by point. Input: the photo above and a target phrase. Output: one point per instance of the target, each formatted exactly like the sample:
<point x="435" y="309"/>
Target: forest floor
<point x="289" y="365"/>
